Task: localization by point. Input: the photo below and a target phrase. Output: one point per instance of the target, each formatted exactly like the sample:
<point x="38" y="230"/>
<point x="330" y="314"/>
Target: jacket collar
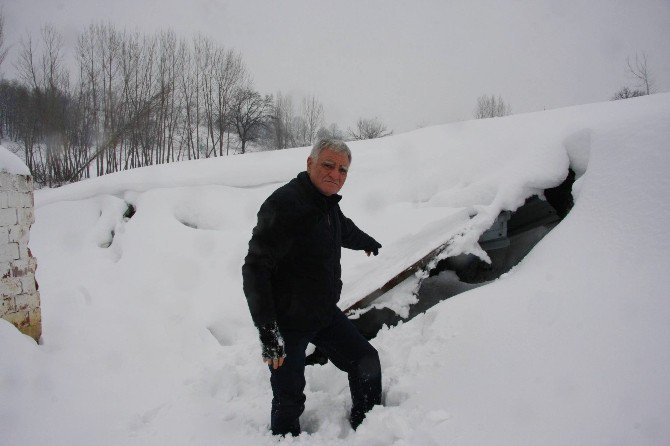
<point x="312" y="191"/>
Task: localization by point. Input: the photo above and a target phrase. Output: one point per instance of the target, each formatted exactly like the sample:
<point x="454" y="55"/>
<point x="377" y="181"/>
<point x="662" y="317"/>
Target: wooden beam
<point x="398" y="278"/>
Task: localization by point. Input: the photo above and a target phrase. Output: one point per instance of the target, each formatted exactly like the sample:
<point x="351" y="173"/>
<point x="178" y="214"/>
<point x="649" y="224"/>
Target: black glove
<point x="271" y="341"/>
<point x="373" y="247"/>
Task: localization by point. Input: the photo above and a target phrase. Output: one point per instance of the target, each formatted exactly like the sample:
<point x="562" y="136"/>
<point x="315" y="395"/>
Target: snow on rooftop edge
<point x="11" y="163"/>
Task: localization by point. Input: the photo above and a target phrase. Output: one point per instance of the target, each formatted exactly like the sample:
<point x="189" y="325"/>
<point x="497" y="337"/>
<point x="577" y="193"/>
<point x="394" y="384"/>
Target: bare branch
<point x="640" y="71"/>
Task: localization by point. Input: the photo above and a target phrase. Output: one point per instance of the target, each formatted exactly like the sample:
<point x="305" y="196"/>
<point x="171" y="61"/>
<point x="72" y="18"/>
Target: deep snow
<point x="147" y="337"/>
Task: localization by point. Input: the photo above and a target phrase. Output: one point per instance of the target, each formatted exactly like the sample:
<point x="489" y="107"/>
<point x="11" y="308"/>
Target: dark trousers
<point x="347" y="349"/>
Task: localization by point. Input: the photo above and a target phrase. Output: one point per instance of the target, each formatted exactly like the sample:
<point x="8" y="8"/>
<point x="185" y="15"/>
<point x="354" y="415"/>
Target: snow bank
<point x="147" y="338"/>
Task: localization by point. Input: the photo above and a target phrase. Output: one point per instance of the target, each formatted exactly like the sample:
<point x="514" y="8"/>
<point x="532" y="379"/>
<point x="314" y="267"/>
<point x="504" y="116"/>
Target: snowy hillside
<point x="147" y="338"/>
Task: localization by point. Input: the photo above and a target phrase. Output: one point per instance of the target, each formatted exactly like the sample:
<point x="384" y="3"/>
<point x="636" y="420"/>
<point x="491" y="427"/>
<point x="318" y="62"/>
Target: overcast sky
<point x="410" y="63"/>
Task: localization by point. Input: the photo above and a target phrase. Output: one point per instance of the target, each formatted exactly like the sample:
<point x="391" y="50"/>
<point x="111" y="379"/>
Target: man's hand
<point x="374" y="248"/>
<point x="273" y="345"/>
<point x="275" y="363"/>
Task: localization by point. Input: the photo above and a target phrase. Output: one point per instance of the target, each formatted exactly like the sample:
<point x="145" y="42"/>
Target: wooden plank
<point x="397" y="279"/>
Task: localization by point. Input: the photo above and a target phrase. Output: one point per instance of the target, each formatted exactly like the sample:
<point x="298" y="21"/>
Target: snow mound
<point x="147" y="337"/>
<point x="11" y="163"/>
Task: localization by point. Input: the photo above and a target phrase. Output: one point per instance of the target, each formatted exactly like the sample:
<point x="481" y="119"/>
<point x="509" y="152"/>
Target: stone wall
<point x="20" y="302"/>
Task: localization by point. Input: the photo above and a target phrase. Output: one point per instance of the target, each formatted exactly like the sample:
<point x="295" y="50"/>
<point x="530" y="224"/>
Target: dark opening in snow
<point x="188" y="224"/>
<point x="130" y="211"/>
<point x="127" y="215"/>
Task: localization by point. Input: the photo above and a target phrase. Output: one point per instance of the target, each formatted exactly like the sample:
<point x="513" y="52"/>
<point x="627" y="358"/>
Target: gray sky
<point x="410" y="63"/>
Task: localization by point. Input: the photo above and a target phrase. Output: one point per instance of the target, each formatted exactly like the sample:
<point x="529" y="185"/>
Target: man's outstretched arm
<point x="354" y="238"/>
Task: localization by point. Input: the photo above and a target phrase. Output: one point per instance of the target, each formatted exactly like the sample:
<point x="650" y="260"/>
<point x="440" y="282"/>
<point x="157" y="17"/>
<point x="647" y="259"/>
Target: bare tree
<point x="330" y="132"/>
<point x="312" y="118"/>
<point x="197" y="91"/>
<point x="52" y="130"/>
<point x="229" y="75"/>
<point x="112" y="141"/>
<point x="3" y="50"/>
<point x="210" y="77"/>
<point x="89" y="78"/>
<point x="136" y="58"/>
<point x="189" y="93"/>
<point x="26" y="64"/>
<point x="54" y="74"/>
<point x="288" y="129"/>
<point x="250" y="113"/>
<point x="167" y="66"/>
<point x="282" y="120"/>
<point x="128" y="97"/>
<point x="108" y="42"/>
<point x="207" y="58"/>
<point x="491" y="107"/>
<point x="369" y="129"/>
<point x="640" y="71"/>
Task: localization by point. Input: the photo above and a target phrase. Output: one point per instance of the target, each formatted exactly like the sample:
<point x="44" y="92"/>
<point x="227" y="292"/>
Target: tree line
<point x="139" y="99"/>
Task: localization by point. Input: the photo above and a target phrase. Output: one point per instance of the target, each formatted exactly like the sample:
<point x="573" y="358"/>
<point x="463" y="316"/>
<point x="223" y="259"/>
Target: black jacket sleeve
<point x="353" y="237"/>
<point x="269" y="242"/>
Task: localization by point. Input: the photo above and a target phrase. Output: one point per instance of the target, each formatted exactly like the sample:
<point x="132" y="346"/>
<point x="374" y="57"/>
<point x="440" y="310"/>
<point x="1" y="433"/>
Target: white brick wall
<point x="19" y="295"/>
<point x="8" y="216"/>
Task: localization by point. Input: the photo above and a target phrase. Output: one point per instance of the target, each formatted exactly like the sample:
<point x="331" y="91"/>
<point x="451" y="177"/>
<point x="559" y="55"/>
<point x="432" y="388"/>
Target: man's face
<point x="329" y="171"/>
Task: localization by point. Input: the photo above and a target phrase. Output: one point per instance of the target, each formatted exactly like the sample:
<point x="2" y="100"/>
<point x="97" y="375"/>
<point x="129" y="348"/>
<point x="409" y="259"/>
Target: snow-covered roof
<point x="11" y="163"/>
<point x="148" y="340"/>
<point x="412" y="191"/>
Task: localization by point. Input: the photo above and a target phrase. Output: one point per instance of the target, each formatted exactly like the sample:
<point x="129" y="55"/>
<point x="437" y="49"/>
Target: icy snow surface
<point x="147" y="338"/>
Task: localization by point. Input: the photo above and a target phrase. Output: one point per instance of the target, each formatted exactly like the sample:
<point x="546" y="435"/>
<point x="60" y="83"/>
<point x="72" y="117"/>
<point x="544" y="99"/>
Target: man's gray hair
<point x="336" y="145"/>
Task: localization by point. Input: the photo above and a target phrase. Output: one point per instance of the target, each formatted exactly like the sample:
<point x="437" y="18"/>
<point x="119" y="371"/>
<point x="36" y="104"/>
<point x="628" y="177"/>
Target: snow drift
<point x="147" y="337"/>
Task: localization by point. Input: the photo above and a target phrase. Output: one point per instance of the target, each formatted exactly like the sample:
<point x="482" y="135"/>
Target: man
<point x="292" y="283"/>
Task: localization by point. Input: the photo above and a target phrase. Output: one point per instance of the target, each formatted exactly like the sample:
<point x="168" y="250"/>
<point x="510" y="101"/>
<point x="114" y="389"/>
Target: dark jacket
<point x="292" y="272"/>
